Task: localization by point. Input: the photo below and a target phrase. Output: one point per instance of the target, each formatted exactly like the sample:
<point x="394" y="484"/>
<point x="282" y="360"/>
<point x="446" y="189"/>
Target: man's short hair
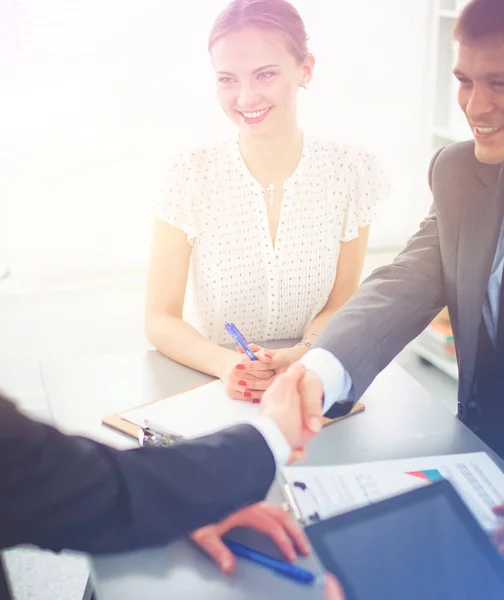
<point x="480" y="19"/>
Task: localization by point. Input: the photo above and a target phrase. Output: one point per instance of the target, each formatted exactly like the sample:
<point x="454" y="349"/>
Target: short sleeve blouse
<point x="236" y="274"/>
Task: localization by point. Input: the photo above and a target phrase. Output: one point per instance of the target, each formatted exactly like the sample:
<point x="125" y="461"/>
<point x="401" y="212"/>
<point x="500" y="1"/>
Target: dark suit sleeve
<point x="391" y="307"/>
<point x="58" y="491"/>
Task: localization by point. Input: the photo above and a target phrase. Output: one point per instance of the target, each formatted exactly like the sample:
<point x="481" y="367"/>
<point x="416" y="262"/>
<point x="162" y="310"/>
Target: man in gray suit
<point x="455" y="259"/>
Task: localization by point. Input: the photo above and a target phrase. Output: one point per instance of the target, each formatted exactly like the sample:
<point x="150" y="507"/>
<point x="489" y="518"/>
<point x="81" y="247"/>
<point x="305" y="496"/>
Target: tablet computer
<point x="421" y="545"/>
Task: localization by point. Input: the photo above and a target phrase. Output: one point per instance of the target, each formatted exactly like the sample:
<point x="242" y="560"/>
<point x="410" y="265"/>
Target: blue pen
<point x="240" y="340"/>
<point x="279" y="566"/>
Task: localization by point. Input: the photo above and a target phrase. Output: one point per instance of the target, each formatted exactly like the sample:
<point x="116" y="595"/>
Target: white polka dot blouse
<point x="236" y="273"/>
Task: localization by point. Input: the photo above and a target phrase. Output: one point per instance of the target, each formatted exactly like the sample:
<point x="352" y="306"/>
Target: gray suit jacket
<point x="447" y="262"/>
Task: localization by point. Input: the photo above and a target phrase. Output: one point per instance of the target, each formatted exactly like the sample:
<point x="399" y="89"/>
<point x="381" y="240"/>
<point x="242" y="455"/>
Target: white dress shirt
<point x="275" y="439"/>
<point x="491" y="304"/>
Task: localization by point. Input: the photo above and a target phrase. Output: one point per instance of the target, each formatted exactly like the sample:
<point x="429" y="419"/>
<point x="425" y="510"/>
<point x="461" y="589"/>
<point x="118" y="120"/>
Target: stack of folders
<point x="438" y="338"/>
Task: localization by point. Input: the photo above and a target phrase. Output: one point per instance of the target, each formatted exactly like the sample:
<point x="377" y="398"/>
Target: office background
<point x="96" y="97"/>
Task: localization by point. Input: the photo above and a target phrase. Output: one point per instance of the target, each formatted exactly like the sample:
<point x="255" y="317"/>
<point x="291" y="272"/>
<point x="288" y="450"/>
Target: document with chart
<point x="320" y="492"/>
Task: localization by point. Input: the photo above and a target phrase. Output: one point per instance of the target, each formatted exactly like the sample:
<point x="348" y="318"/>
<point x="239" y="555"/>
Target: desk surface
<point x="401" y="420"/>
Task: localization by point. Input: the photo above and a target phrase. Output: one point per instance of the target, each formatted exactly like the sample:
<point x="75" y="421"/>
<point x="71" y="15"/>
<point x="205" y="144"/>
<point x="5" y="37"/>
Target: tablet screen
<point x="421" y="545"/>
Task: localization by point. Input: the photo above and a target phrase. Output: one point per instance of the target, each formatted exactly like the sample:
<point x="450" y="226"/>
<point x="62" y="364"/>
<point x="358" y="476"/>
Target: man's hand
<point x="312" y="398"/>
<point x="267" y="518"/>
<point x="312" y="390"/>
<point x="498" y="535"/>
<point x="282" y="402"/>
<point x="274" y="522"/>
<point x="333" y="589"/>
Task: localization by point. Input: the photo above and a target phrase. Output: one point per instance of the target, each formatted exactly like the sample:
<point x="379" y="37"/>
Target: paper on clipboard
<point x="199" y="411"/>
<point x="321" y="492"/>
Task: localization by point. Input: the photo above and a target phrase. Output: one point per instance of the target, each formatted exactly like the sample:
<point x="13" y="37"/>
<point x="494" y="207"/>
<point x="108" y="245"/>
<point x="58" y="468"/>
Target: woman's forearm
<point x="338" y="299"/>
<point x="348" y="274"/>
<point x="179" y="341"/>
<point x="315" y="328"/>
<point x="312" y="331"/>
<point x="317" y="325"/>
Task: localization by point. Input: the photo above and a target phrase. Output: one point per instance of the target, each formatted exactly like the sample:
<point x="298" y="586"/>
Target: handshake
<point x="294" y="402"/>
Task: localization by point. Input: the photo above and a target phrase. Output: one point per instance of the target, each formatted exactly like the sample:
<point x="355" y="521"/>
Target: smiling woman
<point x="267" y="230"/>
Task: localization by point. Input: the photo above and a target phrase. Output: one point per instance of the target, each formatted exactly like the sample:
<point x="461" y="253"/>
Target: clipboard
<point x="300" y="503"/>
<point x="118" y="423"/>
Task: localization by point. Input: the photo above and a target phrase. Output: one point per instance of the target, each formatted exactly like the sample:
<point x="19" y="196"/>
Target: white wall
<point x="97" y="94"/>
<point x="6" y="43"/>
<point x="371" y="86"/>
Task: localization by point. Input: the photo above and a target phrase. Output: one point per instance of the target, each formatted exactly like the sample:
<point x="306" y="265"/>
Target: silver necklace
<point x="271" y="189"/>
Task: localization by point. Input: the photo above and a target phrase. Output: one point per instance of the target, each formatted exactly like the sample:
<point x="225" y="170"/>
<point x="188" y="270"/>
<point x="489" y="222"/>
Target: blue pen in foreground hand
<point x="240" y="340"/>
<point x="279" y="566"/>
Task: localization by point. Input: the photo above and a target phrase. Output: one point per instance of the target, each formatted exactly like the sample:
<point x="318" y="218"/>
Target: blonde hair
<point x="265" y="14"/>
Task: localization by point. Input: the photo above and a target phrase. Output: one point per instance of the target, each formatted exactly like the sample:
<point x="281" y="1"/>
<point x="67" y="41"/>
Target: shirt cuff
<point x="277" y="442"/>
<point x="335" y="379"/>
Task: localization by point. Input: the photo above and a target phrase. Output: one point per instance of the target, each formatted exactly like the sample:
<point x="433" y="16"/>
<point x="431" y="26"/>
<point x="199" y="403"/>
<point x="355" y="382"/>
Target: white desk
<point x="401" y="420"/>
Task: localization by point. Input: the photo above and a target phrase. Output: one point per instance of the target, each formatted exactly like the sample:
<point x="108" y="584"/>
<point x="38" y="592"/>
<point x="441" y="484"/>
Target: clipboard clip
<point x="151" y="436"/>
<point x="297" y="508"/>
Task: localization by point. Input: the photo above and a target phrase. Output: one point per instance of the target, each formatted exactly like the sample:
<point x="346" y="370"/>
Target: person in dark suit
<point x="67" y="492"/>
<point x="59" y="491"/>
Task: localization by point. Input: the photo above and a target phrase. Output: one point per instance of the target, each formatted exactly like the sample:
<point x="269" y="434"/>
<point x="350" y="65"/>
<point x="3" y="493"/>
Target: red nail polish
<point x="255" y="400"/>
<point x="268" y="356"/>
<point x="247" y="394"/>
<point x="240" y="366"/>
<point x="241" y="382"/>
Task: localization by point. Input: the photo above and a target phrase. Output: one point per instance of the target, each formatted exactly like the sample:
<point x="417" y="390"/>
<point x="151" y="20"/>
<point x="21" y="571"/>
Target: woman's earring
<point x="305" y="85"/>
